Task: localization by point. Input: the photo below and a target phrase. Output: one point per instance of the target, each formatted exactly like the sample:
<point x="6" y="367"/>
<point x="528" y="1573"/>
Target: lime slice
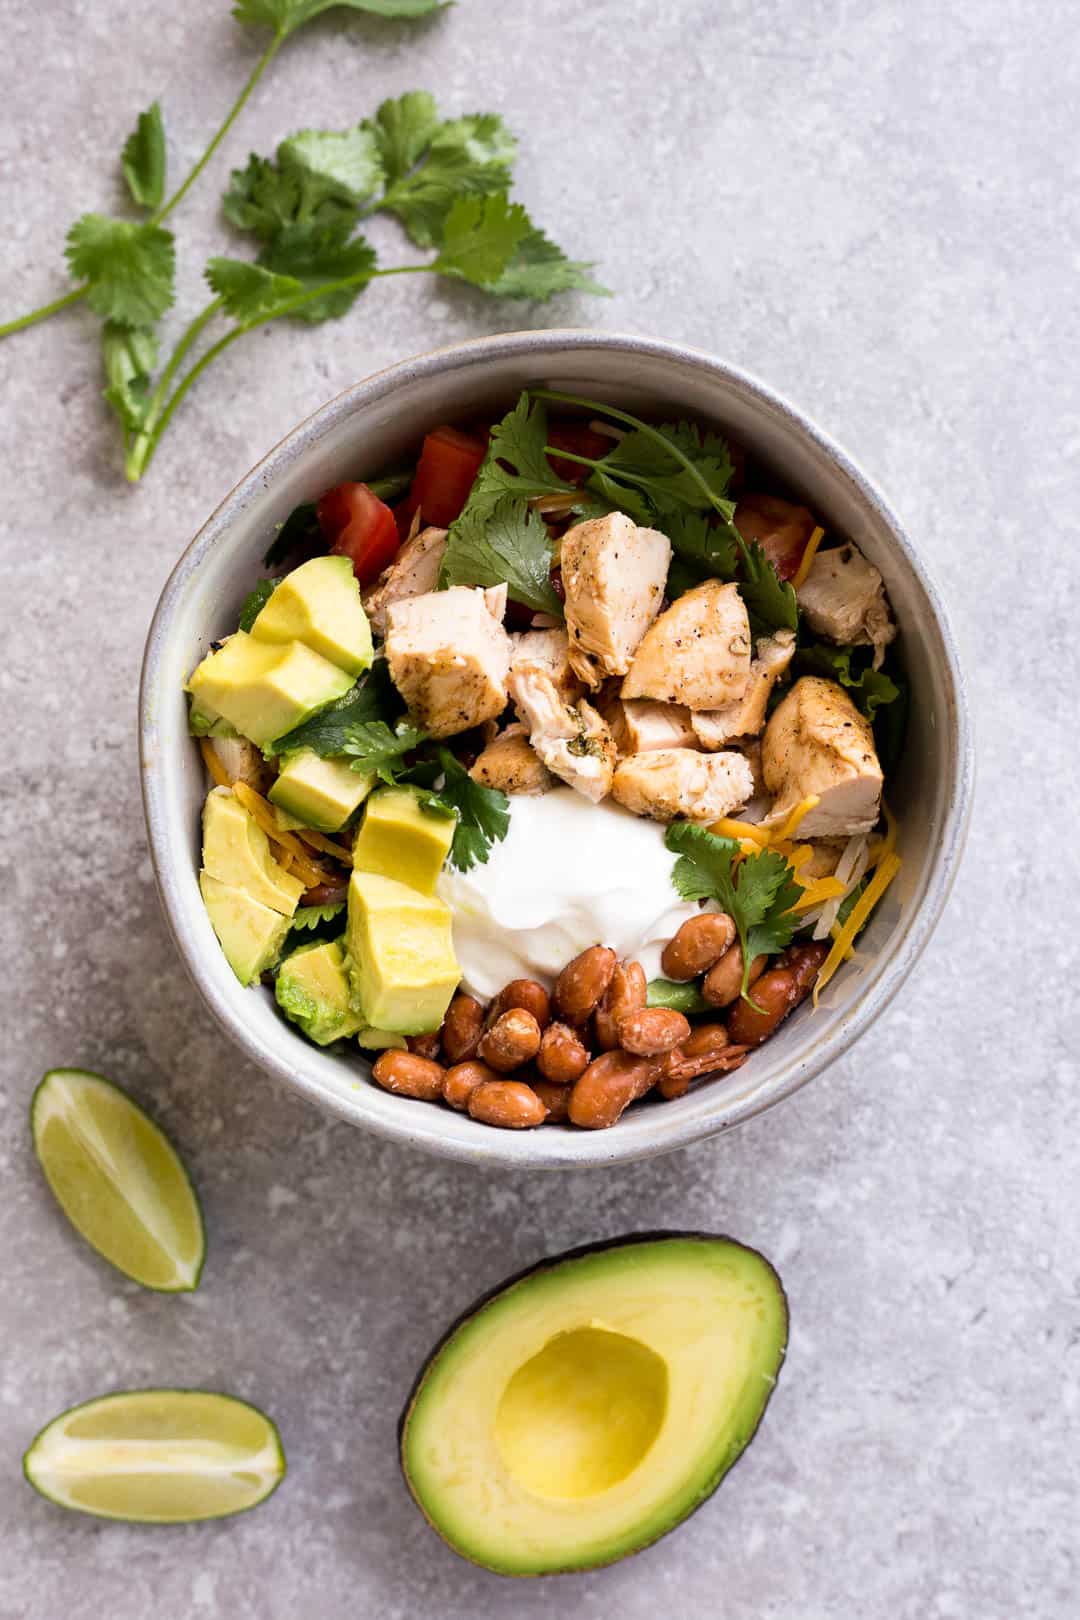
<point x="158" y="1456"/>
<point x="118" y="1179"/>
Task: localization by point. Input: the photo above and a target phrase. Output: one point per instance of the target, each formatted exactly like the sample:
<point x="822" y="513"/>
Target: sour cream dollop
<point x="568" y="874"/>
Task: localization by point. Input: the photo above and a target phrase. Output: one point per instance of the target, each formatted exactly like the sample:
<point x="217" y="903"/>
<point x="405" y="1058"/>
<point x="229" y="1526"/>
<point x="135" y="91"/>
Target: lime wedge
<point x="158" y="1456"/>
<point x="118" y="1179"/>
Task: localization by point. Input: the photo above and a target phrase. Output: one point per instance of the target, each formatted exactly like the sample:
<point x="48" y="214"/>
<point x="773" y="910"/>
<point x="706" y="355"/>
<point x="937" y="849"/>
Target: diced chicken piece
<point x="746" y="717"/>
<point x="781" y="529"/>
<point x="673" y="782"/>
<point x="495" y="600"/>
<point x="817" y="742"/>
<point x="449" y="657"/>
<point x="241" y="761"/>
<point x="639" y="725"/>
<point x="759" y="803"/>
<point x="571" y="739"/>
<point x="413" y="572"/>
<point x="550" y="650"/>
<point x="697" y="652"/>
<point x="843" y="599"/>
<point x="510" y="764"/>
<point x="613" y="574"/>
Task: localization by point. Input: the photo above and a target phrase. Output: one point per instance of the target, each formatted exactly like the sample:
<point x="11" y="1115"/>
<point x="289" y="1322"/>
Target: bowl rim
<point x="555" y="1149"/>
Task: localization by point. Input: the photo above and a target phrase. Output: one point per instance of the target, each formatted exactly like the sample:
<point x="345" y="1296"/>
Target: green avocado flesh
<point x="265" y="688"/>
<point x="312" y="990"/>
<point x="587" y="1408"/>
<point x="401" y="955"/>
<point x="319" y="604"/>
<point x="320" y="793"/>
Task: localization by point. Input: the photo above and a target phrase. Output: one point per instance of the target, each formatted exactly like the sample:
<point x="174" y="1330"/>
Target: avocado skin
<point x="550" y="1264"/>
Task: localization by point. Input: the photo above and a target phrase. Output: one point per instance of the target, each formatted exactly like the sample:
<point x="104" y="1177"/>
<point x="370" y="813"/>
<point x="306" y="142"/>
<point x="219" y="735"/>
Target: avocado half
<point x="585" y="1408"/>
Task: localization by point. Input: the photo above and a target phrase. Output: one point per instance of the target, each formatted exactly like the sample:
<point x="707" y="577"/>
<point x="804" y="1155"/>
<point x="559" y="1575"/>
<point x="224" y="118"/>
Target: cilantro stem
<point x="43" y="314"/>
<point x="142" y="446"/>
<point x="223" y="129"/>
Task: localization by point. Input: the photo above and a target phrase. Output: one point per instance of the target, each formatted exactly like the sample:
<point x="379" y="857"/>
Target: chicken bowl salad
<point x="549" y="770"/>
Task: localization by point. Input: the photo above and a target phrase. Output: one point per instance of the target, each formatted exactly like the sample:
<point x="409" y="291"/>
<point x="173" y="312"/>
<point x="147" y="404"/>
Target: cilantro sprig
<point x="757" y="892"/>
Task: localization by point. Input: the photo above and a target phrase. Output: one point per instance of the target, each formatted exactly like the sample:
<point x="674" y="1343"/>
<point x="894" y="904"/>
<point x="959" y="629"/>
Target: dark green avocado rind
<point x="92" y="1074"/>
<point x="725" y="1464"/>
<point x="156" y="1389"/>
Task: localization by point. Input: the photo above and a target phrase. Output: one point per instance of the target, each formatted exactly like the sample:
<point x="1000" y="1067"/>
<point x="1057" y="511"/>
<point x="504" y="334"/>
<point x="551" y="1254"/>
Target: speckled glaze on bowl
<point x="353" y="437"/>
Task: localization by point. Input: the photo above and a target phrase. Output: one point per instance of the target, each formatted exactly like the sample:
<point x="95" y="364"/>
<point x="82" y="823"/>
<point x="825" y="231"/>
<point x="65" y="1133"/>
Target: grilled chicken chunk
<point x="639" y="725"/>
<point x="673" y="782"/>
<point x="781" y="528"/>
<point x="510" y="764"/>
<point x="571" y="739"/>
<point x="746" y="717"/>
<point x="818" y="742"/>
<point x="613" y="574"/>
<point x="550" y="649"/>
<point x="413" y="572"/>
<point x="449" y="657"/>
<point x="843" y="599"/>
<point x="242" y="761"/>
<point x="697" y="652"/>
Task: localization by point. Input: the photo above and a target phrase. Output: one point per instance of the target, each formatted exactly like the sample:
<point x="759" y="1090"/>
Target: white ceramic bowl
<point x="366" y="428"/>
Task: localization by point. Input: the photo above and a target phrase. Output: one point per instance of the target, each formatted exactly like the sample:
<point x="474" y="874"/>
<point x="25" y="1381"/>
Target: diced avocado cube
<point x="319" y="604"/>
<point x="251" y="934"/>
<point x="402" y="838"/>
<point x="312" y="990"/>
<point x="380" y="1040"/>
<point x="237" y="851"/>
<point x="264" y="688"/>
<point x="401" y="955"/>
<point x="322" y="793"/>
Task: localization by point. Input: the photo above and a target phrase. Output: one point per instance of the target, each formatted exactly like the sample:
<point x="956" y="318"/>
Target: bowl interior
<point x="354" y="437"/>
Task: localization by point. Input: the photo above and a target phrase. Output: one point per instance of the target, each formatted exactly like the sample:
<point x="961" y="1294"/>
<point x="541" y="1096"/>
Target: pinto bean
<point x="723" y="981"/>
<point x="582" y="983"/>
<point x="512" y="1040"/>
<point x="653" y="1031"/>
<point x="426" y="1045"/>
<point x="701" y="941"/>
<point x="625" y="994"/>
<point x="407" y="1074"/>
<point x="563" y="1056"/>
<point x="507" y="1103"/>
<point x="555" y="1098"/>
<point x="776" y="994"/>
<point x="462" y="1079"/>
<point x="525" y="993"/>
<point x="609" y="1085"/>
<point x="707" y="1051"/>
<point x="462" y="1028"/>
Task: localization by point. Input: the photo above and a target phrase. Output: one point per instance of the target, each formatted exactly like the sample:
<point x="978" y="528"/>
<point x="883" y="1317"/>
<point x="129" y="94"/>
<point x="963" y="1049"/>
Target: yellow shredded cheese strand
<point x="319" y="841"/>
<point x="859" y="913"/>
<point x="791" y="825"/>
<point x="726" y="828"/>
<point x="807" y="558"/>
<point x="213" y="763"/>
<point x="818" y="891"/>
<point x="304" y="867"/>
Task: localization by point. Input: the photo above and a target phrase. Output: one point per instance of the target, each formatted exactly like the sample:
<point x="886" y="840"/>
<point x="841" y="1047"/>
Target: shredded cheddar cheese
<point x="327" y="846"/>
<point x="791" y="825"/>
<point x="807" y="558"/>
<point x="213" y="763"/>
<point x="741" y="831"/>
<point x="861" y="910"/>
<point x="818" y="891"/>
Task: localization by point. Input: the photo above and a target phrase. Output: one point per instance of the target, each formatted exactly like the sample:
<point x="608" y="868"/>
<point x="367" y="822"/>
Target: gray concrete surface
<point x="874" y="207"/>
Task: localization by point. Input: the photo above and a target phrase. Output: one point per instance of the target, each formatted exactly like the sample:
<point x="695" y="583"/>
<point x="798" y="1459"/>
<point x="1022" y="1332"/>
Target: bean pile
<point x="584" y="1053"/>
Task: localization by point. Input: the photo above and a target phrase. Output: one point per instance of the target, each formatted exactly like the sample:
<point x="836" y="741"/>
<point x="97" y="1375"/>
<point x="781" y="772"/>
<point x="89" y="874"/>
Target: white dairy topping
<point x="568" y="874"/>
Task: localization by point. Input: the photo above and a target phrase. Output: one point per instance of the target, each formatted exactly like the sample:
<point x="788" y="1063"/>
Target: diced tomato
<point x="580" y="440"/>
<point x="359" y="526"/>
<point x="781" y="528"/>
<point x="448" y="465"/>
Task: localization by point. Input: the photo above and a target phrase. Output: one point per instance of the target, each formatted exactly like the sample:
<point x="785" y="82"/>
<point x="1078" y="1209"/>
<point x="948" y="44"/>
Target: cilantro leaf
<point x="130" y="355"/>
<point x="342" y="164"/>
<point x="130" y="268"/>
<point x="538" y="269"/>
<point x="757" y="893"/>
<point x="479" y="237"/>
<point x="517" y="460"/>
<point x="248" y="292"/>
<point x="373" y="747"/>
<point x="255" y="601"/>
<point x="316" y="258"/>
<point x="286" y="16"/>
<point x="770" y="600"/>
<point x="870" y="688"/>
<point x="705" y="548"/>
<point x="265" y="200"/>
<point x="510" y="542"/>
<point x="483" y="814"/>
<point x="143" y="159"/>
<point x="469" y="156"/>
<point x="309" y="917"/>
<point x="402" y="129"/>
<point x="373" y="698"/>
<point x="646" y="458"/>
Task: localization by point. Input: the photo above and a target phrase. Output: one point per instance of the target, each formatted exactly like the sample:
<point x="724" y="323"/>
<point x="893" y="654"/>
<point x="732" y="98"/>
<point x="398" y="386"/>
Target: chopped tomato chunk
<point x="781" y="528"/>
<point x="449" y="462"/>
<point x="359" y="526"/>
